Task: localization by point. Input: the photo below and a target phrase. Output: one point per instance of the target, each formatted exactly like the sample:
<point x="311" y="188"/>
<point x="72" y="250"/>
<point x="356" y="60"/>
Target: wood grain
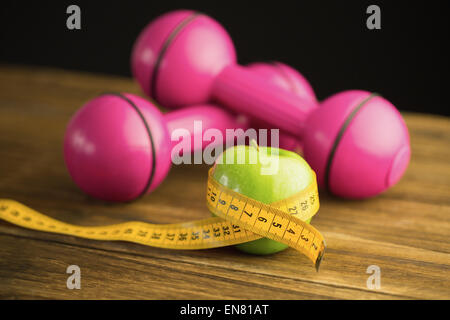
<point x="404" y="231"/>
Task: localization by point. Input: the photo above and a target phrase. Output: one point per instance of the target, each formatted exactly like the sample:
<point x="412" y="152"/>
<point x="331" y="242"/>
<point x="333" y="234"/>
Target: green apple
<point x="291" y="175"/>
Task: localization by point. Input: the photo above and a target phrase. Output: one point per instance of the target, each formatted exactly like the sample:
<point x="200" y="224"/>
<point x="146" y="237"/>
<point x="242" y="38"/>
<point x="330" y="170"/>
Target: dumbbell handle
<point x="242" y="91"/>
<point x="210" y="117"/>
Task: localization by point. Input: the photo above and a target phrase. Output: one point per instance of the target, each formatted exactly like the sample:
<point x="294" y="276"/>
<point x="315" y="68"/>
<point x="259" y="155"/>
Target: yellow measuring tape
<point x="239" y="219"/>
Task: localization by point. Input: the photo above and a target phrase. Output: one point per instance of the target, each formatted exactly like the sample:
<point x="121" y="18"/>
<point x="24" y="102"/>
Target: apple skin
<point x="294" y="174"/>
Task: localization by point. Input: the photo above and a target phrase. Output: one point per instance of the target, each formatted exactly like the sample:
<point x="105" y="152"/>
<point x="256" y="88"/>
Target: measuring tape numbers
<point x="238" y="219"/>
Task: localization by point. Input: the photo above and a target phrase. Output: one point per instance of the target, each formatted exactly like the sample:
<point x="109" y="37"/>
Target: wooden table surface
<point x="404" y="231"/>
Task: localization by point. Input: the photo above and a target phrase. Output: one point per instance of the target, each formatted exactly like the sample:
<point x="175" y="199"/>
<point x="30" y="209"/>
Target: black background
<point x="328" y="41"/>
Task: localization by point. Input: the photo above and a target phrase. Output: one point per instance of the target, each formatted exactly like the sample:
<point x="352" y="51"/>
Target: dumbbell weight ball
<point x="117" y="147"/>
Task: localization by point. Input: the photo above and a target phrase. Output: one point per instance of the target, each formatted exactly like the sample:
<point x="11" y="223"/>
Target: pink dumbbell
<point x="118" y="146"/>
<point x="357" y="142"/>
<point x="289" y="79"/>
<point x="344" y="179"/>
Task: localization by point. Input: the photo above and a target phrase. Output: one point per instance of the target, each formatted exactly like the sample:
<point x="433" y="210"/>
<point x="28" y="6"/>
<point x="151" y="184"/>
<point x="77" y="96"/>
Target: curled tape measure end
<point x="319" y="258"/>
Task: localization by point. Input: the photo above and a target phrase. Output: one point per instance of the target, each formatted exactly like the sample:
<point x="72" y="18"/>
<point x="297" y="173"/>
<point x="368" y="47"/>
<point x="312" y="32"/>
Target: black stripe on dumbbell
<point x="149" y="132"/>
<point x="162" y="52"/>
<point x="339" y="136"/>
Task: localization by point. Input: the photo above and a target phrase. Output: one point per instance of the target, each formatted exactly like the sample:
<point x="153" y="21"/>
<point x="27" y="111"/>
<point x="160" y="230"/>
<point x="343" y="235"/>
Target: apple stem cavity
<point x="254" y="144"/>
